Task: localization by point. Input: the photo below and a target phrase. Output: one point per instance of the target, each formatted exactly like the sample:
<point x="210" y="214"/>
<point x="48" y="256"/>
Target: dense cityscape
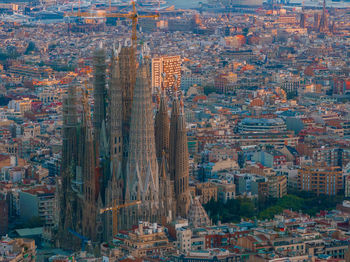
<point x="175" y="131"/>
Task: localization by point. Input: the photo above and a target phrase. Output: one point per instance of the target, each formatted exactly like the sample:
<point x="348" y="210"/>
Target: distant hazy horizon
<point x="312" y="3"/>
<point x="183" y="3"/>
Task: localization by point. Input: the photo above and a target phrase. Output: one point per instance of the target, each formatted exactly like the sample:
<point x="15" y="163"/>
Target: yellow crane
<point x="133" y="16"/>
<point x="115" y="209"/>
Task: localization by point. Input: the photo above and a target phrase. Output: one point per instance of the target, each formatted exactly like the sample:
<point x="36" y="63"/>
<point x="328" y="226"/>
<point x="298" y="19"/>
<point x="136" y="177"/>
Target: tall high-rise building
<point x="322" y="180"/>
<point x="166" y="72"/>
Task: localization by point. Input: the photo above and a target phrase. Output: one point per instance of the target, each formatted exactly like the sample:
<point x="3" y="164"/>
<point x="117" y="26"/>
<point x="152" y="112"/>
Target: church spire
<point x="142" y="169"/>
<point x="67" y="214"/>
<point x="142" y="142"/>
<point x="70" y="120"/>
<point x="166" y="193"/>
<point x="90" y="175"/>
<point x="116" y="111"/>
<point x="163" y="167"/>
<point x="181" y="167"/>
<point x="99" y="90"/>
<point x="175" y="112"/>
<point x="162" y="129"/>
<point x="115" y="189"/>
<point x="126" y="61"/>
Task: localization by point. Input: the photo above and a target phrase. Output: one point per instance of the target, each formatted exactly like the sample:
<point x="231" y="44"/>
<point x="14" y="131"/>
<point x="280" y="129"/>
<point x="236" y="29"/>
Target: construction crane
<point x="83" y="239"/>
<point x="115" y="209"/>
<point x="133" y="16"/>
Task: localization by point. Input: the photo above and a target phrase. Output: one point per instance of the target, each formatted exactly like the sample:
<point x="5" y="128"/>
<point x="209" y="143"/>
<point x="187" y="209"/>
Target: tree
<point x="209" y="89"/>
<point x="247" y="208"/>
<point x="235" y="209"/>
<point x="11" y="52"/>
<point x="30" y="48"/>
<point x="291" y="201"/>
<point x="4" y="100"/>
<point x="270" y="212"/>
<point x="241" y="159"/>
<point x="245" y="31"/>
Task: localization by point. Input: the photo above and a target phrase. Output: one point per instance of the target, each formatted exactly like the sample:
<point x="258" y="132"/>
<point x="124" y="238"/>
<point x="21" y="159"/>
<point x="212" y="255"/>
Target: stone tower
<point x="70" y="121"/>
<point x="142" y="182"/>
<point x="167" y="203"/>
<point x="182" y="194"/>
<point x="323" y="26"/>
<point x="99" y="91"/>
<point x="175" y="112"/>
<point x="115" y="188"/>
<point x="100" y="148"/>
<point x="79" y="185"/>
<point x="115" y="112"/>
<point x="197" y="216"/>
<point x="68" y="203"/>
<point x="162" y="129"/>
<point x="127" y="82"/>
<point x="90" y="176"/>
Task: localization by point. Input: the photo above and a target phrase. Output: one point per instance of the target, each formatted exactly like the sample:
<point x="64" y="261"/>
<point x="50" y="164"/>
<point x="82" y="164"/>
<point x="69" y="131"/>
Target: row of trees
<point x="236" y="209"/>
<point x="11" y="52"/>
